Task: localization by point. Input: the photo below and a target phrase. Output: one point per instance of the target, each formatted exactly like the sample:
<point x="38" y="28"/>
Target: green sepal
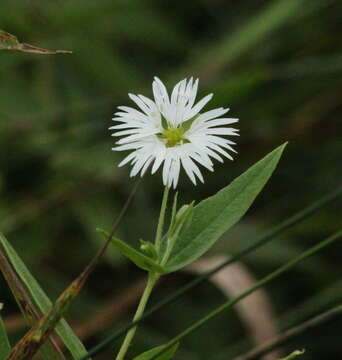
<point x="150" y="354"/>
<point x="149" y="249"/>
<point x="183" y="218"/>
<point x="186" y="125"/>
<point x="180" y="220"/>
<point x="139" y="259"/>
<point x="164" y="123"/>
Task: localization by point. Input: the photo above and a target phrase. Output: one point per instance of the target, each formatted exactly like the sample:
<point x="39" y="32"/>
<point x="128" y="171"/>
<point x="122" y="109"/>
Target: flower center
<point x="173" y="136"/>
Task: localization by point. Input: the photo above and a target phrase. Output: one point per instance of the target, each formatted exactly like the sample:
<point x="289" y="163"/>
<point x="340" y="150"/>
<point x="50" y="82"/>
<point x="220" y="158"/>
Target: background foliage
<point x="277" y="64"/>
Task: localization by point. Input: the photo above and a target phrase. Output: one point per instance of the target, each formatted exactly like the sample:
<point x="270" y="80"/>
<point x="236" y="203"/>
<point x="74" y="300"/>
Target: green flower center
<point x="174" y="136"/>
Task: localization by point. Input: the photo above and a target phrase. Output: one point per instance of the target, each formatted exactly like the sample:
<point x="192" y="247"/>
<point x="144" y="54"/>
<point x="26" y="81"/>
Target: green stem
<point x="152" y="278"/>
<point x="161" y="219"/>
<point x="170" y="240"/>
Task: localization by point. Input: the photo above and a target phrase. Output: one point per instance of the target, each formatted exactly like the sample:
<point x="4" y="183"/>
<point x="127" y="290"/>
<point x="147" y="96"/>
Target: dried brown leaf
<point x="11" y="42"/>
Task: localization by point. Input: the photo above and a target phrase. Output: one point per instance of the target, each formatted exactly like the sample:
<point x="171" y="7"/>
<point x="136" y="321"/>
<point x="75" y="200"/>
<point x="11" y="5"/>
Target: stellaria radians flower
<point x="172" y="130"/>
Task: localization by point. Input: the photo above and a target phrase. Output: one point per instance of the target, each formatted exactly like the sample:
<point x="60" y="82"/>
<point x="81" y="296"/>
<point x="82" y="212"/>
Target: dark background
<point x="277" y="65"/>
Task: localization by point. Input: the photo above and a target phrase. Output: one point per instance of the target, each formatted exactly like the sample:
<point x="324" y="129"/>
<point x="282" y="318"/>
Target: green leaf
<point x="215" y="215"/>
<point x="44" y="304"/>
<point x="293" y="355"/>
<point x="139" y="259"/>
<point x="50" y="349"/>
<point x="167" y="355"/>
<point x="5" y="346"/>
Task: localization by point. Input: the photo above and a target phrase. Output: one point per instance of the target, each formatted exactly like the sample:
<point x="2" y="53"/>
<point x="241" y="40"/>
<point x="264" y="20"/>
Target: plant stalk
<point x="160" y="226"/>
<point x="151" y="280"/>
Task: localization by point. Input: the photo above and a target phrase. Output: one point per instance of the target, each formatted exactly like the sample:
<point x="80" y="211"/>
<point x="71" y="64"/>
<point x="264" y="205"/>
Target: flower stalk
<point x="161" y="220"/>
<point x="151" y="280"/>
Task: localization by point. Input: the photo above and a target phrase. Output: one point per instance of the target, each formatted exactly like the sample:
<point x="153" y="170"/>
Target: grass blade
<point x="5" y="346"/>
<point x="291" y="333"/>
<point x="211" y="60"/>
<point x="228" y="304"/>
<point x="41" y="300"/>
<point x="50" y="350"/>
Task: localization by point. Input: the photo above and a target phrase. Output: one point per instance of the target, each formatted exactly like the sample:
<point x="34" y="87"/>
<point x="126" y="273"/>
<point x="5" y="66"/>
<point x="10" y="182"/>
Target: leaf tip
<point x="283" y="145"/>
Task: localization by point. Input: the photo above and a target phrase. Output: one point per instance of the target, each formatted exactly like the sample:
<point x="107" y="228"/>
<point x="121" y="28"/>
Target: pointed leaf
<point x="44" y="304"/>
<point x="214" y="216"/>
<point x="139" y="259"/>
<point x="293" y="355"/>
<point x="167" y="355"/>
<point x="5" y="346"/>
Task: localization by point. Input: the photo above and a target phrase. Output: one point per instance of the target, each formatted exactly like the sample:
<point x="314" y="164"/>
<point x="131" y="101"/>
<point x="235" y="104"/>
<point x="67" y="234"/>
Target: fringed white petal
<point x="141" y="131"/>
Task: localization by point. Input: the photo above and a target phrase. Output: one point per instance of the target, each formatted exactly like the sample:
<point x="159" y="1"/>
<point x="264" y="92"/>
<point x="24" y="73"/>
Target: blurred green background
<point x="278" y="66"/>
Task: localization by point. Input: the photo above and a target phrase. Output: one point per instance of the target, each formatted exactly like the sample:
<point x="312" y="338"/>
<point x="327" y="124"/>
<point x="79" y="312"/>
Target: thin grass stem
<point x="228" y="304"/>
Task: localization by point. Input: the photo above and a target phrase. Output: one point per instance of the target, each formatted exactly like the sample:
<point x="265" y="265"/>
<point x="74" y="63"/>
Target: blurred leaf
<point x="293" y="355"/>
<point x="167" y="355"/>
<point x="44" y="304"/>
<point x="239" y="84"/>
<point x="314" y="304"/>
<point x="309" y="66"/>
<point x="214" y="216"/>
<point x="211" y="60"/>
<point x="139" y="259"/>
<point x="11" y="42"/>
<point x="152" y="29"/>
<point x="5" y="346"/>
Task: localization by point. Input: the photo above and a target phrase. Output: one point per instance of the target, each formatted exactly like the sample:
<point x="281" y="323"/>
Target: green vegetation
<point x="278" y="66"/>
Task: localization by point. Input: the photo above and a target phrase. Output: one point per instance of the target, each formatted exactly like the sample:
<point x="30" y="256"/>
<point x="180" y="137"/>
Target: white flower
<point x="174" y="132"/>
